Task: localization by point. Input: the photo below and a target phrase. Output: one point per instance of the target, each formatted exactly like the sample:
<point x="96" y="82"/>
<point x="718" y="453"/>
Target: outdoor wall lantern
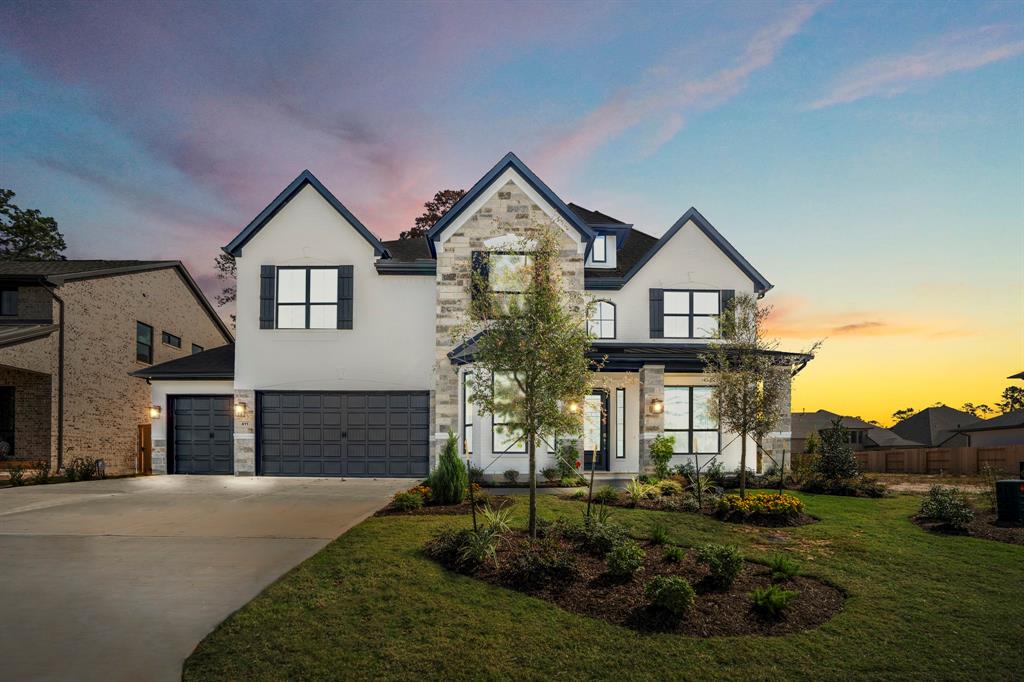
<point x="240" y="409"/>
<point x="657" y="406"/>
<point x="574" y="407"/>
<point x="154" y="411"/>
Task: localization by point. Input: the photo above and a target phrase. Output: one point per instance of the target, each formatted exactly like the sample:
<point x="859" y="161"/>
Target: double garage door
<point x="369" y="433"/>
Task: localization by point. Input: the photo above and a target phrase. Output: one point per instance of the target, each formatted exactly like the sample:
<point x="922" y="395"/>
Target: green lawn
<point x="920" y="606"/>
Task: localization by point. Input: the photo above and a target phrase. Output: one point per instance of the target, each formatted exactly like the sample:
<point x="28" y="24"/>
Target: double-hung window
<point x="601" y="322"/>
<point x="143" y="342"/>
<point x="691" y="314"/>
<point x="504" y="439"/>
<point x="9" y="302"/>
<point x="307" y="298"/>
<point x="688" y="418"/>
<point x="507" y="277"/>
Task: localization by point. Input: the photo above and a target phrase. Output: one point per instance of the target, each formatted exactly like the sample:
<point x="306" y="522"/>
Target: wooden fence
<point x="1008" y="459"/>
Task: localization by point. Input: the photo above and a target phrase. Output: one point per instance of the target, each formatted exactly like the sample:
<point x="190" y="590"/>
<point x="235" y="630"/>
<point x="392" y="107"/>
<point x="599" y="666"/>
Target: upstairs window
<point x="143" y="343"/>
<point x="307" y="298"/>
<point x="196" y="348"/>
<point x="688" y="418"/>
<point x="9" y="302"/>
<point x="504" y="275"/>
<point x="170" y="339"/>
<point x="600" y="250"/>
<point x="691" y="314"/>
<point x="601" y="323"/>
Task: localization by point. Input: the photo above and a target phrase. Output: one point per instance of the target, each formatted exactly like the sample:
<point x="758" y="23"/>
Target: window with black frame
<point x="307" y="298"/>
<point x="691" y="314"/>
<point x="9" y="302"/>
<point x="143" y="342"/>
<point x="688" y="418"/>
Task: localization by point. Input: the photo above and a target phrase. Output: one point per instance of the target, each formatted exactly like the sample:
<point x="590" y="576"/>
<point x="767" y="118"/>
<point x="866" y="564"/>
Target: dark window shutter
<point x="727" y="296"/>
<point x="657" y="313"/>
<point x="268" y="275"/>
<point x="344" y="297"/>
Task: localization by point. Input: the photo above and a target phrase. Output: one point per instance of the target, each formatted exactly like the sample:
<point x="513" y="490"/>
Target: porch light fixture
<point x="240" y="409"/>
<point x="154" y="411"/>
<point x="657" y="406"/>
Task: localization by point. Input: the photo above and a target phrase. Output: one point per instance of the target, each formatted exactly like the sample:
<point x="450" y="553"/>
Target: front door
<point x="595" y="431"/>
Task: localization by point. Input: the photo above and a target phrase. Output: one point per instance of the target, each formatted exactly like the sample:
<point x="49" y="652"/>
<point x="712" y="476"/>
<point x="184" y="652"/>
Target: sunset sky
<point x="868" y="158"/>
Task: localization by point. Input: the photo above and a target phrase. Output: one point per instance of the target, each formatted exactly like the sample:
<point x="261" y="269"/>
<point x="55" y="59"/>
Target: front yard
<point x="370" y="605"/>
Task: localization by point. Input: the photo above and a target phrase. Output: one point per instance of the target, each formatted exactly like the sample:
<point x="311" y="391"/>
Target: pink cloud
<point x="889" y="76"/>
<point x="660" y="98"/>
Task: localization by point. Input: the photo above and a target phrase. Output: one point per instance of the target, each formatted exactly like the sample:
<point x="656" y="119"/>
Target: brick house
<point x="71" y="334"/>
<point x="344" y="364"/>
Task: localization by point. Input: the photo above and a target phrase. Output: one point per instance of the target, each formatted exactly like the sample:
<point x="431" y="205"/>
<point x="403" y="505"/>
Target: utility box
<point x="1010" y="501"/>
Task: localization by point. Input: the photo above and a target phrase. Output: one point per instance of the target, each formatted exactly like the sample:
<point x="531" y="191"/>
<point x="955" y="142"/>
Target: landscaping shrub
<point x="476" y="474"/>
<point x="568" y="463"/>
<point x="673" y="554"/>
<point x="606" y="494"/>
<point x="16" y="476"/>
<point x="670" y="593"/>
<point x="593" y="535"/>
<point x="638" y="490"/>
<point x="407" y="501"/>
<point x="42" y="473"/>
<point x="550" y="474"/>
<point x="497" y="518"/>
<point x="782" y="568"/>
<point x="511" y="475"/>
<point x="624" y="559"/>
<point x="947" y="506"/>
<point x="835" y="463"/>
<point x="659" y="533"/>
<point x="661" y="453"/>
<point x="449" y="481"/>
<point x="724" y="564"/>
<point x="689" y="504"/>
<point x="445" y="546"/>
<point x="771" y="601"/>
<point x="80" y="469"/>
<point x="480" y="545"/>
<point x="545" y="562"/>
<point x="669" y="487"/>
<point x="580" y="494"/>
<point x="761" y="504"/>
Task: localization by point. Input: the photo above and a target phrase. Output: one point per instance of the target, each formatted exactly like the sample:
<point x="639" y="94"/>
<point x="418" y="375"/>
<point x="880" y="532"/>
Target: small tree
<point x="749" y="384"/>
<point x="661" y="454"/>
<point x="26" y="234"/>
<point x="449" y="482"/>
<point x="836" y="462"/>
<point x="529" y="361"/>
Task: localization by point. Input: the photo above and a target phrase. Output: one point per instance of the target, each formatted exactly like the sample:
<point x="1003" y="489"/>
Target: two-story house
<point x="71" y="334"/>
<point x="344" y="364"/>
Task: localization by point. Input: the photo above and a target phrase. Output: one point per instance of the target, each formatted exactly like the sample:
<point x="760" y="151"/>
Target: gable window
<point x="143" y="342"/>
<point x="196" y="348"/>
<point x="600" y="251"/>
<point x="601" y="322"/>
<point x="503" y="439"/>
<point x="503" y="273"/>
<point x="688" y="418"/>
<point x="170" y="339"/>
<point x="8" y="302"/>
<point x="691" y="314"/>
<point x="307" y="298"/>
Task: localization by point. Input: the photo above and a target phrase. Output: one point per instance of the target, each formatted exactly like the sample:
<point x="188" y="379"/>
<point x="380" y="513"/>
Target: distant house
<point x="861" y="434"/>
<point x="1006" y="429"/>
<point x="936" y="427"/>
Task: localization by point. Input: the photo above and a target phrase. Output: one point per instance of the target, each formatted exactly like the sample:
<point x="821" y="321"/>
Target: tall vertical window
<point x="691" y="314"/>
<point x="307" y="298"/>
<point x="467" y="417"/>
<point x="508" y="277"/>
<point x="9" y="302"/>
<point x="504" y="439"/>
<point x="601" y="322"/>
<point x="688" y="418"/>
<point x="143" y="342"/>
<point x="620" y="423"/>
<point x="600" y="249"/>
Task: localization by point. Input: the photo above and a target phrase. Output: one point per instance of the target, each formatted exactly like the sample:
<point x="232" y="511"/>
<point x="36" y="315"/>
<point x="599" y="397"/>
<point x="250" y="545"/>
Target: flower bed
<point x="419" y="500"/>
<point x="771" y="509"/>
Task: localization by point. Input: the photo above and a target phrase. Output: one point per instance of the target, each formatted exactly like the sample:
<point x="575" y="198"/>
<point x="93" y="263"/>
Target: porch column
<point x="245" y="433"/>
<point x="652" y="386"/>
<point x="779" y="443"/>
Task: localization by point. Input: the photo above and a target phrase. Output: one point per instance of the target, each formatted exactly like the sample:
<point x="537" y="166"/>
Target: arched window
<point x="601" y="323"/>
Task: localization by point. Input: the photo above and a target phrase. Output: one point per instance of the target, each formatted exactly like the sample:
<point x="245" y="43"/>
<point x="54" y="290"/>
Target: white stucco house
<point x="343" y="364"/>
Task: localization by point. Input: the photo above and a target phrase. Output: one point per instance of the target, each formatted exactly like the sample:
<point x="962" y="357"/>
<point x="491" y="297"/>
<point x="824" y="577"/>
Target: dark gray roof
<point x="805" y="423"/>
<point x="408" y="250"/>
<point x="935" y="425"/>
<point x="593" y="217"/>
<point x="76" y="268"/>
<point x="216" y="363"/>
<point x="1010" y="420"/>
<point x="633" y="247"/>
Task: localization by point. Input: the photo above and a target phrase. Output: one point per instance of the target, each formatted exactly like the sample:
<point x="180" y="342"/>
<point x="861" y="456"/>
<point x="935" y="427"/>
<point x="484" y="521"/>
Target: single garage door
<point x="372" y="433"/>
<point x="203" y="428"/>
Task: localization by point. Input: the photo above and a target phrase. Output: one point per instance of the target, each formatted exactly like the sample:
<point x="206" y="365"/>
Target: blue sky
<point x="866" y="157"/>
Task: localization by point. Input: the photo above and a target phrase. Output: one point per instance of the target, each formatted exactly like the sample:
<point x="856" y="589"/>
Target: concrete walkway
<point x="120" y="579"/>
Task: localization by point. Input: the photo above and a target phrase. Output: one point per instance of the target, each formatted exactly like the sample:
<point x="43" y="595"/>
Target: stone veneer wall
<point x="508" y="211"/>
<point x="245" y="434"/>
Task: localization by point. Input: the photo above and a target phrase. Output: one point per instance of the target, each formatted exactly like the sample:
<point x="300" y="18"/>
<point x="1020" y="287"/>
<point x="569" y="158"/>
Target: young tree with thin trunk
<point x="529" y="361"/>
<point x="749" y="382"/>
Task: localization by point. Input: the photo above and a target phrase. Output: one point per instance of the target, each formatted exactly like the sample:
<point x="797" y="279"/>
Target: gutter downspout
<point x="60" y="378"/>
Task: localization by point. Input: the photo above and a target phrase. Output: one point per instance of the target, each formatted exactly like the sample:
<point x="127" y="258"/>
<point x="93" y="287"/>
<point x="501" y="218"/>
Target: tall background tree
<point x="530" y="360"/>
<point x="432" y="212"/>
<point x="1012" y="399"/>
<point x="905" y="413"/>
<point x="26" y="234"/>
<point x="224" y="265"/>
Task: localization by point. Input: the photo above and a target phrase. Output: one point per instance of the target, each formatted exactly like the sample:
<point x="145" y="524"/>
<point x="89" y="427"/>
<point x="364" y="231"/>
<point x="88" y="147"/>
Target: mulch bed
<point x="764" y="521"/>
<point x="983" y="526"/>
<point x="715" y="613"/>
<point x="447" y="509"/>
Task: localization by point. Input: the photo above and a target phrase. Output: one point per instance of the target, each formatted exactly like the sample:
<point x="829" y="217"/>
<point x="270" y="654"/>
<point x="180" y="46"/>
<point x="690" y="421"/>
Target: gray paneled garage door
<point x="371" y="433"/>
<point x="203" y="428"/>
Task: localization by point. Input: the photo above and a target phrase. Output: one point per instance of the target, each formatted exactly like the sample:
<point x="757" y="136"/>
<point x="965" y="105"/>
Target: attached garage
<point x="350" y="433"/>
<point x="203" y="434"/>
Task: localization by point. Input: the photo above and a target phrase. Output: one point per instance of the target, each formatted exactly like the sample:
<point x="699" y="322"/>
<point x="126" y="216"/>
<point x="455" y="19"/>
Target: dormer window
<point x="600" y="252"/>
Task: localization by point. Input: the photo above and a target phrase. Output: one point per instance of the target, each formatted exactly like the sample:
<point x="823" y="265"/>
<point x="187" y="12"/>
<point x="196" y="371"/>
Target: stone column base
<point x="245" y="433"/>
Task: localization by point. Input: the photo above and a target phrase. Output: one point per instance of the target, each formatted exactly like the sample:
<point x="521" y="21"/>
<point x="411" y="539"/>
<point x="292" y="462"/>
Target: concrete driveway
<point x="120" y="579"/>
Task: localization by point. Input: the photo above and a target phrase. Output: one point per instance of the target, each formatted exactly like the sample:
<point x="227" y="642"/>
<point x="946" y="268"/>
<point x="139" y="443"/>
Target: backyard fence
<point x="956" y="460"/>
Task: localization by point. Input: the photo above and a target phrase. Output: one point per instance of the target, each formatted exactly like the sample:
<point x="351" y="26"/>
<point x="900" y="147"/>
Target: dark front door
<point x="595" y="431"/>
<point x="203" y="428"/>
<point x="350" y="433"/>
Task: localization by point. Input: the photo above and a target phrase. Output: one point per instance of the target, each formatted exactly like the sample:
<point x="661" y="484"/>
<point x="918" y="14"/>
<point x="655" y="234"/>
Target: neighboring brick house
<point x="71" y="334"/>
<point x="345" y="364"/>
